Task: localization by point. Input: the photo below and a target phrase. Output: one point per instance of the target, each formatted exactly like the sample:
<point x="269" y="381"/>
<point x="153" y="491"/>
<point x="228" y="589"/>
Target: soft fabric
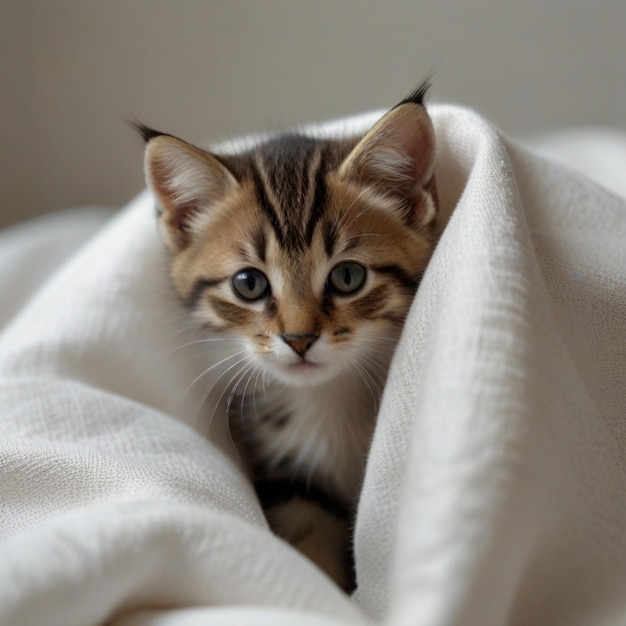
<point x="495" y="491"/>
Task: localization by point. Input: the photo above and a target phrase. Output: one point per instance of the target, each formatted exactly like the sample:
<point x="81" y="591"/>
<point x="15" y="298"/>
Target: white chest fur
<point x="323" y="430"/>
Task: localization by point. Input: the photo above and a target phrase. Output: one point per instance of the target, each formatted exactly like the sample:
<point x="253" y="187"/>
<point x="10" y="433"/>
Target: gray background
<point x="71" y="72"/>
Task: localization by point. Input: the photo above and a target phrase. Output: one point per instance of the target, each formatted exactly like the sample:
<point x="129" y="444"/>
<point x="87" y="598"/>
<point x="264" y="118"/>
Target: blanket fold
<point x="495" y="490"/>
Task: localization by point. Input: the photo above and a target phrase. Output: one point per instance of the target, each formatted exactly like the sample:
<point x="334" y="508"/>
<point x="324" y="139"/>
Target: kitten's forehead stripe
<point x="288" y="166"/>
<point x="289" y="179"/>
<point x="318" y="205"/>
<point x="266" y="206"/>
<point x="259" y="241"/>
<point x="330" y="237"/>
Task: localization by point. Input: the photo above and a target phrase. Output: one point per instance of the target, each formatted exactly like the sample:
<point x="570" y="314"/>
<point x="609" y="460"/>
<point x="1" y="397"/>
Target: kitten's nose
<point x="299" y="342"/>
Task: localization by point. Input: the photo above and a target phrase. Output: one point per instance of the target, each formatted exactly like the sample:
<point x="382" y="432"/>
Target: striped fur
<point x="306" y="253"/>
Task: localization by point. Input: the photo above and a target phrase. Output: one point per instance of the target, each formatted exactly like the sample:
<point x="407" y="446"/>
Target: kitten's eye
<point x="346" y="278"/>
<point x="250" y="284"/>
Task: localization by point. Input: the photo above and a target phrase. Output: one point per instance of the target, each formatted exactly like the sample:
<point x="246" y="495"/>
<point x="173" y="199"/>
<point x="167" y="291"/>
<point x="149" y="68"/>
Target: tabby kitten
<point x="307" y="253"/>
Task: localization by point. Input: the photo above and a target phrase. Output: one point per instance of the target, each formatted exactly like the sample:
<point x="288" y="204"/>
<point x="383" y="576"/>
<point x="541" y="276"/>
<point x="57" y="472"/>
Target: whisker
<point x="375" y="368"/>
<point x="238" y="374"/>
<point x="198" y="341"/>
<point x="233" y="391"/>
<point x="259" y="372"/>
<point x="210" y="389"/>
<point x="206" y="371"/>
<point x="255" y="371"/>
<point x="368" y="383"/>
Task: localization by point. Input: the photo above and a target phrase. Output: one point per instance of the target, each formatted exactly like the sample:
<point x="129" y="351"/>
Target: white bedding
<point x="495" y="490"/>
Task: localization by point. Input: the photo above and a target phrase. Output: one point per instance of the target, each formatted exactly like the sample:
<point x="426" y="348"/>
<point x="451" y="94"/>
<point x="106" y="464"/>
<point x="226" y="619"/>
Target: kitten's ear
<point x="186" y="181"/>
<point x="397" y="159"/>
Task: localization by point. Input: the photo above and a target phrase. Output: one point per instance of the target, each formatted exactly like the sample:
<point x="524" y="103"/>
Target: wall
<point x="71" y="72"/>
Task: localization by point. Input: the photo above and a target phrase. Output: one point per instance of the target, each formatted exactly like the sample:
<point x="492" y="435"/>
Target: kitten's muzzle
<point x="299" y="342"/>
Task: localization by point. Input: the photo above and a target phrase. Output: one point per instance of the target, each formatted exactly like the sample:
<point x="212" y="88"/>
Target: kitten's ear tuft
<point x="418" y="95"/>
<point x="146" y="132"/>
<point x="186" y="183"/>
<point x="396" y="159"/>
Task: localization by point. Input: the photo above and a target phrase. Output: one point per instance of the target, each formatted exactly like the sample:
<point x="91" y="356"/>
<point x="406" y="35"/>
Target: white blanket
<point x="495" y="490"/>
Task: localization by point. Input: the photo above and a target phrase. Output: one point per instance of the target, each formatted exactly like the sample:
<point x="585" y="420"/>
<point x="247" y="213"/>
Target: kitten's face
<point x="307" y="252"/>
<point x="310" y="312"/>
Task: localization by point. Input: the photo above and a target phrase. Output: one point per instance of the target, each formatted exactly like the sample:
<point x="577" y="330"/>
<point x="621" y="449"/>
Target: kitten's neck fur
<point x="325" y="430"/>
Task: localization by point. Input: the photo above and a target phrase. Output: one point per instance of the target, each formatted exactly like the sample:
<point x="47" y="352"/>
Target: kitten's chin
<point x="304" y="374"/>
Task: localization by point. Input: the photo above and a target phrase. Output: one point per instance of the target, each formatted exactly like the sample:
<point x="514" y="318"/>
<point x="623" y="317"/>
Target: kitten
<point x="307" y="252"/>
